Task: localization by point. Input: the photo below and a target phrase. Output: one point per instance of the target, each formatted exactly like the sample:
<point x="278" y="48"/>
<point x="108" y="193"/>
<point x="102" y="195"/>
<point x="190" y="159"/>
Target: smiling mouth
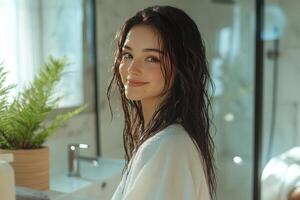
<point x="135" y="84"/>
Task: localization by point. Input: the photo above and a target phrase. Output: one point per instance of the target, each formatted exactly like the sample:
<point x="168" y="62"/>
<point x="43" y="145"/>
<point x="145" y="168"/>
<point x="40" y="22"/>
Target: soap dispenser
<point x="7" y="178"/>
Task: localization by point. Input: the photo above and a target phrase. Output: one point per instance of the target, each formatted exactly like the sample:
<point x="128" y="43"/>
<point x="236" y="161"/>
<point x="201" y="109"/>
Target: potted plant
<point x="23" y="128"/>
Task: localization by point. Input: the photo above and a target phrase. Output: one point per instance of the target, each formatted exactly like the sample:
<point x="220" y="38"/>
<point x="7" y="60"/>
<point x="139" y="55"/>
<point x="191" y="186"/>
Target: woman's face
<point x="140" y="66"/>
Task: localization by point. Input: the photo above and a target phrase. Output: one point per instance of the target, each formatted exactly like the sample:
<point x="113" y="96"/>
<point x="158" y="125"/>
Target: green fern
<point x="22" y="122"/>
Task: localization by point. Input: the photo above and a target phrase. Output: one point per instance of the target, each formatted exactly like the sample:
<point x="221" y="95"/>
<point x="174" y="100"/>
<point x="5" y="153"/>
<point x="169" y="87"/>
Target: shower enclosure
<point x="281" y="136"/>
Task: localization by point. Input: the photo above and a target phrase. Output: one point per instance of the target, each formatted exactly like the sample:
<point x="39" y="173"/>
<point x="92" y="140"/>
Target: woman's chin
<point x="132" y="97"/>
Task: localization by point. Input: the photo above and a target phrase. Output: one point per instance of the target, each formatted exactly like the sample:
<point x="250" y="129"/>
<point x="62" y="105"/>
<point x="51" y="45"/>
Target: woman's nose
<point x="134" y="67"/>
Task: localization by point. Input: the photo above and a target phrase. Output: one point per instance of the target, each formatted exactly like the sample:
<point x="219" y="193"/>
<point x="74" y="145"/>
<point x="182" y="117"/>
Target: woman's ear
<point x="294" y="194"/>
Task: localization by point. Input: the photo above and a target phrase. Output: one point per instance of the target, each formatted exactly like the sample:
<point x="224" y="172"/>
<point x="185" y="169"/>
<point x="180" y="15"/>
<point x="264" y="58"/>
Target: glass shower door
<point x="281" y="133"/>
<point x="233" y="71"/>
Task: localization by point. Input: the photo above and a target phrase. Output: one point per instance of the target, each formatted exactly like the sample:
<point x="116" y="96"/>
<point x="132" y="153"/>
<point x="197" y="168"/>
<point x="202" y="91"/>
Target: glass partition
<point x="281" y="133"/>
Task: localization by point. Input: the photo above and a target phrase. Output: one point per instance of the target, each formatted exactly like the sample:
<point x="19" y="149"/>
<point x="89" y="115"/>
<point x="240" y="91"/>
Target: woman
<point x="161" y="72"/>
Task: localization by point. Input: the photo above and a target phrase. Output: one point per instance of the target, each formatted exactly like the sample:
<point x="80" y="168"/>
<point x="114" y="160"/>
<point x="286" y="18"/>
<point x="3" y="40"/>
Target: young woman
<point x="161" y="72"/>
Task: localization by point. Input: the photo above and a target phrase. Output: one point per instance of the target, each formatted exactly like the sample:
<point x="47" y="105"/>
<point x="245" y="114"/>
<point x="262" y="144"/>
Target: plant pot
<point x="31" y="167"/>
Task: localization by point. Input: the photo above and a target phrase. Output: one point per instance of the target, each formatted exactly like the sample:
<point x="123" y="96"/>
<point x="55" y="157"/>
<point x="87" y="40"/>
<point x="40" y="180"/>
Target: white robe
<point x="281" y="175"/>
<point x="167" y="166"/>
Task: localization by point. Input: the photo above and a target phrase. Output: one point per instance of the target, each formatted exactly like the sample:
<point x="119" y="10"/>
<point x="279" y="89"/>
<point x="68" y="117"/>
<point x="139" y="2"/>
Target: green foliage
<point x="22" y="120"/>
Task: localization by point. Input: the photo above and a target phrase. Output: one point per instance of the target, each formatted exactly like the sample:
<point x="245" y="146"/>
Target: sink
<point x="99" y="190"/>
<point x="97" y="180"/>
<point x="105" y="168"/>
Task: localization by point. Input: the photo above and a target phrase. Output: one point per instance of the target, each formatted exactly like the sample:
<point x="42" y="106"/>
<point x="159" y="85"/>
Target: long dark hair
<point x="188" y="102"/>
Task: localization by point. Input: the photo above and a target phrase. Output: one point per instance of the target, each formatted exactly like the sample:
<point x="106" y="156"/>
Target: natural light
<point x="33" y="30"/>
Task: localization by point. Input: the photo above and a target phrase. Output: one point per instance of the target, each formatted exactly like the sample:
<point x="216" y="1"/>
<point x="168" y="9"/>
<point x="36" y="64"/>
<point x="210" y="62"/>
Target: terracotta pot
<point x="31" y="167"/>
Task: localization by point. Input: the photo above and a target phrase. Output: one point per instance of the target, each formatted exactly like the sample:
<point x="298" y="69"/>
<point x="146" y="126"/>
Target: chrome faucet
<point x="74" y="158"/>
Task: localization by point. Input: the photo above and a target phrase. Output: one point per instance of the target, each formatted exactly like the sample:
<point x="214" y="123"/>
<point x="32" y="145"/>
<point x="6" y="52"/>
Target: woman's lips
<point x="133" y="83"/>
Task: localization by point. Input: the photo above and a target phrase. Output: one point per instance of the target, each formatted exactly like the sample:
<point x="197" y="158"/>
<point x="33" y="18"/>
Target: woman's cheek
<point x="157" y="75"/>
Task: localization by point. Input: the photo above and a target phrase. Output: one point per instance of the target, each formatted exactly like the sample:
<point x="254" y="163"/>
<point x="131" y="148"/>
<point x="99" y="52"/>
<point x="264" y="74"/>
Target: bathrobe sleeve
<point x="166" y="170"/>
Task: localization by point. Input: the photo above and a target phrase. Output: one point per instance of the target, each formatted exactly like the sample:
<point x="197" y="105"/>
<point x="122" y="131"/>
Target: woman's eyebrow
<point x="155" y="50"/>
<point x="145" y="50"/>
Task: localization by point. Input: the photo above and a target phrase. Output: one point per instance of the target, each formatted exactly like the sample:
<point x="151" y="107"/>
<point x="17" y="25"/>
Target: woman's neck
<point x="149" y="107"/>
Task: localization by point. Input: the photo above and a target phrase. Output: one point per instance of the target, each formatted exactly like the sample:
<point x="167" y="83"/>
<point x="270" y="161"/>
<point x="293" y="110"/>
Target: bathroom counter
<point x="23" y="193"/>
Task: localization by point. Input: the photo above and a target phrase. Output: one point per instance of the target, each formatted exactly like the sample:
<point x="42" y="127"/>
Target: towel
<point x="281" y="175"/>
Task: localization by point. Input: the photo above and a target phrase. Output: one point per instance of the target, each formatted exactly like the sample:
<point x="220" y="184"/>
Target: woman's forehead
<point x="142" y="36"/>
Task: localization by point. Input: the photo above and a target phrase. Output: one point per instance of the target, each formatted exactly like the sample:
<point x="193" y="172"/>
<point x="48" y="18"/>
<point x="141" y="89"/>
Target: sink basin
<point x="106" y="168"/>
<point x="99" y="190"/>
<point x="96" y="181"/>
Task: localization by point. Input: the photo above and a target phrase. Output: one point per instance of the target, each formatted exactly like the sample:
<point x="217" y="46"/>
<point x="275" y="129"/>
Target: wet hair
<point x="187" y="101"/>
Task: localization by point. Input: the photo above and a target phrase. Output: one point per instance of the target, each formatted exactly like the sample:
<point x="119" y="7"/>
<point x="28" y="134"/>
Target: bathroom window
<point x="31" y="31"/>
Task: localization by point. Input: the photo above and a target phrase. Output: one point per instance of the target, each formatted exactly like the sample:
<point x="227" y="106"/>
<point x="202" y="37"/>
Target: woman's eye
<point x="152" y="59"/>
<point x="126" y="55"/>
